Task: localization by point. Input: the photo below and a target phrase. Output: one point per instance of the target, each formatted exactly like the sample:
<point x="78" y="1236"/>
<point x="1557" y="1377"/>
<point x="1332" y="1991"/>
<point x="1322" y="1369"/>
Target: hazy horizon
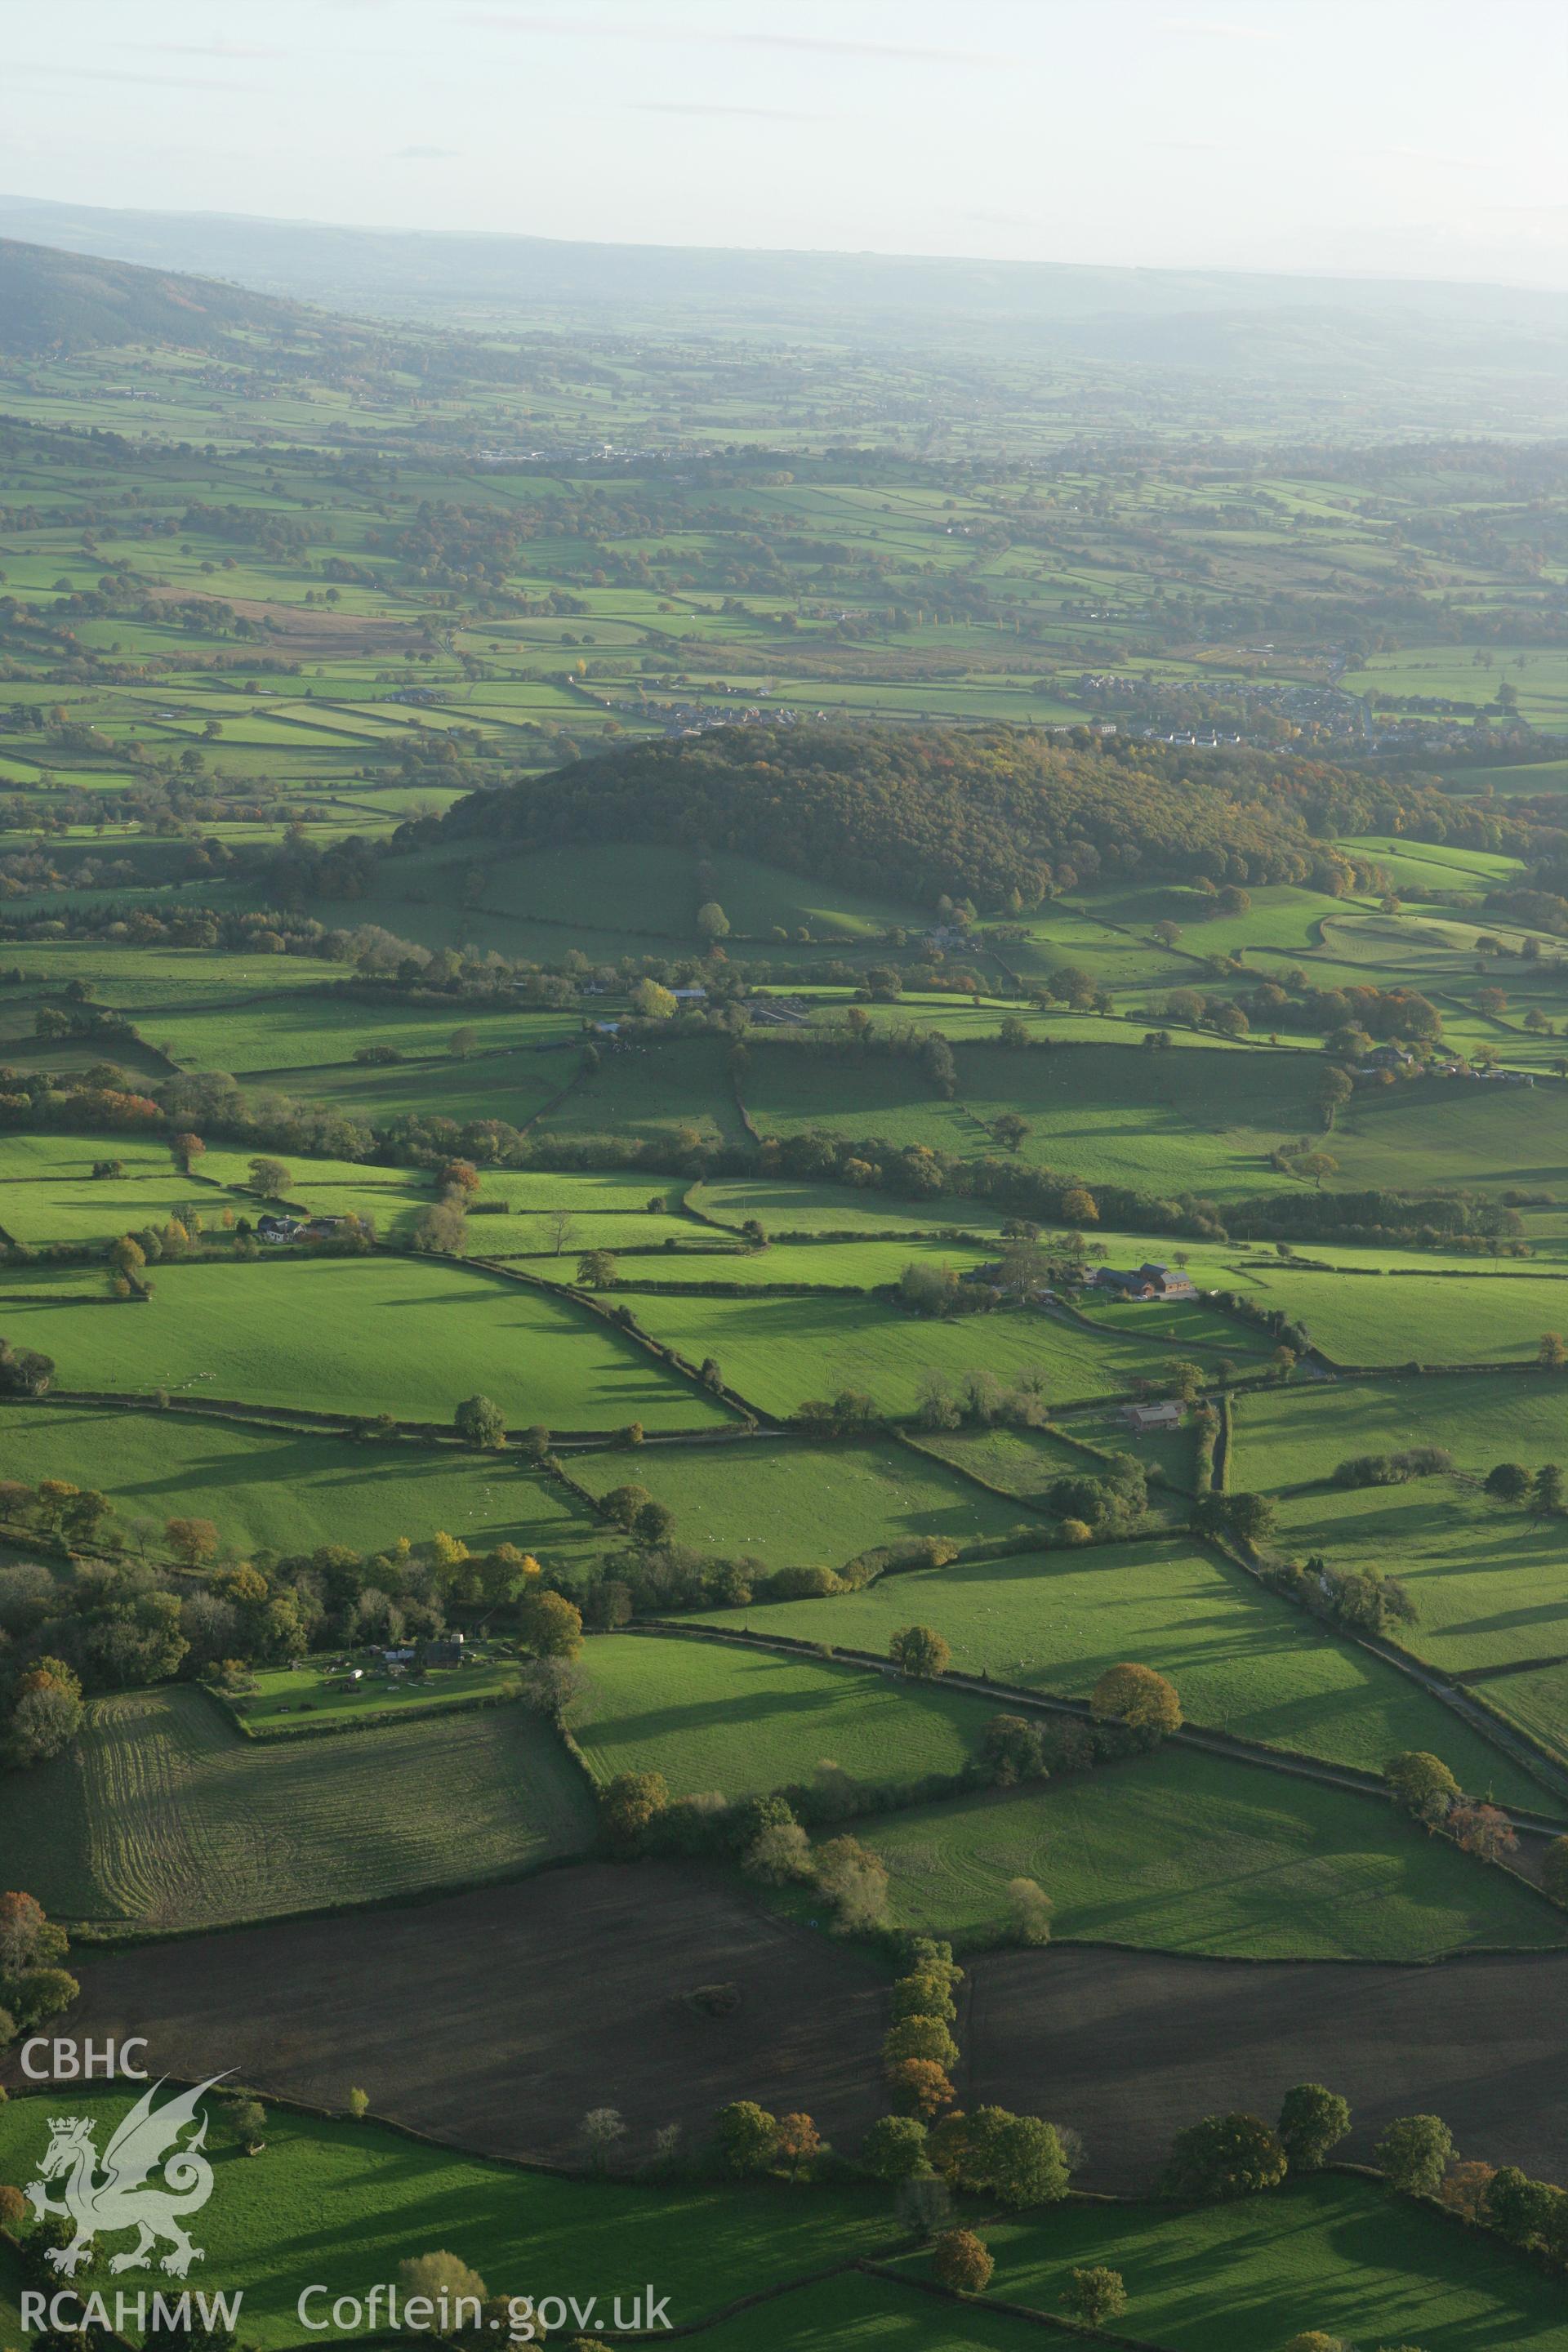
<point x="1311" y="138"/>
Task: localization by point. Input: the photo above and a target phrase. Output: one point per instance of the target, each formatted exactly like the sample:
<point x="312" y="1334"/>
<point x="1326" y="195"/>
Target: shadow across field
<point x="1129" y="2047"/>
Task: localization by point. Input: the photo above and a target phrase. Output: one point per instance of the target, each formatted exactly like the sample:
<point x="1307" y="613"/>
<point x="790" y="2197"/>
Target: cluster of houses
<point x="277" y="1229"/>
<point x="1397" y="1060"/>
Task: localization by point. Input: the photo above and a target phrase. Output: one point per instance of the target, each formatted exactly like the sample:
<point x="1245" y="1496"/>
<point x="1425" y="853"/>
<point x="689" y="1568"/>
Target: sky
<point x="1419" y="138"/>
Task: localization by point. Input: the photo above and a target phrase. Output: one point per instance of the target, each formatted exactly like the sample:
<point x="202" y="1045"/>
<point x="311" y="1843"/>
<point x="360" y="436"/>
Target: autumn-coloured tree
<point x="961" y="2261"/>
<point x="919" y="1651"/>
<point x="192" y="1541"/>
<point x="1139" y="1698"/>
<point x="919" y="2086"/>
<point x="799" y="2141"/>
<point x="1484" y="1831"/>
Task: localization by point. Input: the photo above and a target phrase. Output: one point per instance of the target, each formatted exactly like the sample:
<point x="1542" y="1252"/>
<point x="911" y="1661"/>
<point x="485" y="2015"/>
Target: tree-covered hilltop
<point x="980" y="813"/>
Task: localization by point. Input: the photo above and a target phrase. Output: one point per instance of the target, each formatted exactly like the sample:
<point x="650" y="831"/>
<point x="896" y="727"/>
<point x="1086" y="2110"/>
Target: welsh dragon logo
<point x="118" y="2197"/>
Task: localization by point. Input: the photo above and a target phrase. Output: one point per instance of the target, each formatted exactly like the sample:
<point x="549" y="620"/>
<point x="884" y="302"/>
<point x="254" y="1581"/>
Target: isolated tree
<point x="746" y="2138"/>
<point x="1553" y="1352"/>
<point x="596" y="1269"/>
<point x="1414" y="2153"/>
<point x="192" y="1542"/>
<point x="441" y="1230"/>
<point x="359" y="2103"/>
<point x="462" y="1043"/>
<point x="1095" y="2295"/>
<point x="713" y="922"/>
<point x="478" y="1421"/>
<point x="270" y="1177"/>
<point x="1139" y="1698"/>
<point x="187" y="1149"/>
<point x="919" y="1651"/>
<point x="1508" y="1482"/>
<point x="601" y="2131"/>
<point x="1010" y="1130"/>
<point x="1029" y="1908"/>
<point x="652" y="1525"/>
<point x="961" y="2261"/>
<point x="446" y="2281"/>
<point x="1546" y="1491"/>
<point x="1313" y="2122"/>
<point x="1422" y="1785"/>
<point x="1224" y="2156"/>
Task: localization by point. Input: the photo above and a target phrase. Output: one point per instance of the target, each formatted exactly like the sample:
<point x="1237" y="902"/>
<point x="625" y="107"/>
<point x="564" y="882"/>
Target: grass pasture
<point x="1288" y="1435"/>
<point x="288" y="1491"/>
<point x="1330" y="2251"/>
<point x="355" y="2197"/>
<point x="1414" y="1316"/>
<point x="710" y="1717"/>
<point x="165" y="1816"/>
<point x="788" y="1504"/>
<point x="405" y="1336"/>
<point x="776" y="1352"/>
<point x="1241" y="1659"/>
<point x="1185" y="1853"/>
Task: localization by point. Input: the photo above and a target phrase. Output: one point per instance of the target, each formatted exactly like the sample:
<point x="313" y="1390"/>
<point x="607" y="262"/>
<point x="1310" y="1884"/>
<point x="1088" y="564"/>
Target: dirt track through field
<point x="1131" y="2046"/>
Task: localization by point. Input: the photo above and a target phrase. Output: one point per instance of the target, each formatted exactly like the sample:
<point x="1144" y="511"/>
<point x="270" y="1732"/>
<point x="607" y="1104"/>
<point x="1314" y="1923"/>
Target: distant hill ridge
<point x="55" y="303"/>
<point x="919" y="810"/>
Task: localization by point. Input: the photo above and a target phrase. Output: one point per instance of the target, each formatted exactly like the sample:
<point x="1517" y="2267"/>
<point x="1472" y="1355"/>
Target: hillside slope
<point x="53" y="301"/>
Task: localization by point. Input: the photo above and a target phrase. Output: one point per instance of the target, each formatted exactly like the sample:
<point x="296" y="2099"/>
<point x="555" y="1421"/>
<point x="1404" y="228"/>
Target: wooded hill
<point x="979" y="813"/>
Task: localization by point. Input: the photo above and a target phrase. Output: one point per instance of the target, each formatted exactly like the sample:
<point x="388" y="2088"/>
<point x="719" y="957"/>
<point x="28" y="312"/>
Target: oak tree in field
<point x="919" y="1651"/>
<point x="270" y="1177"/>
<point x="550" y="1625"/>
<point x="961" y="2261"/>
<point x="1139" y="1698"/>
<point x="1094" y="2294"/>
<point x="1422" y="1785"/>
<point x="192" y="1541"/>
<point x="630" y="1804"/>
<point x="479" y="1421"/>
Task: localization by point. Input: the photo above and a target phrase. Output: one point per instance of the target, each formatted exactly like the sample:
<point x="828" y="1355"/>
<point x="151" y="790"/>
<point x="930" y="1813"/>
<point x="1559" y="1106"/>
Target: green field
<point x="1486" y="1579"/>
<point x="1412" y="1317"/>
<point x="1185" y="1853"/>
<point x="1332" y="2252"/>
<point x="279" y="1490"/>
<point x="1162" y="1123"/>
<point x="359" y="2199"/>
<point x="710" y="1717"/>
<point x="776" y="1352"/>
<point x="1242" y="1661"/>
<point x="165" y="1816"/>
<point x="789" y="1504"/>
<point x="1285" y="1436"/>
<point x="407" y="1337"/>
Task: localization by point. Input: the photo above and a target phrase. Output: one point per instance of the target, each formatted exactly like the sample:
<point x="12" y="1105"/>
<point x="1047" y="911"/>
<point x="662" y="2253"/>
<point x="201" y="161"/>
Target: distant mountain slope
<point x="54" y="301"/>
<point x="1180" y="318"/>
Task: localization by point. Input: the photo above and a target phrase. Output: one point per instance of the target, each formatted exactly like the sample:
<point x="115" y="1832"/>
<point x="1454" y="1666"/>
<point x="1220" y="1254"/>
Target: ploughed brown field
<point x="495" y="2020"/>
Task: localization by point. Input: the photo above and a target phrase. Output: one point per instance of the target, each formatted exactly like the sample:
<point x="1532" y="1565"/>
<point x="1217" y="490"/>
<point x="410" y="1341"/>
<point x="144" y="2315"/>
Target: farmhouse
<point x="278" y="1230"/>
<point x="1149" y="1280"/>
<point x="1141" y="1418"/>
